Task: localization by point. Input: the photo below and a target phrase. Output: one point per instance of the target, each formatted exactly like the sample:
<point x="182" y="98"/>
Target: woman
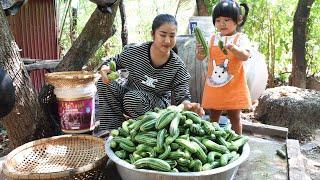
<point x="155" y="71"/>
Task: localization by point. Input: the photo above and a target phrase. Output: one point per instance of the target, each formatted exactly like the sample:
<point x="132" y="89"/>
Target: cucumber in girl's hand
<point x="223" y="49"/>
<point x="220" y="44"/>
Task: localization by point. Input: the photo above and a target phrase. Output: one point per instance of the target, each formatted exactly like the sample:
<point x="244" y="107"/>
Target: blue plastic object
<point x="223" y="121"/>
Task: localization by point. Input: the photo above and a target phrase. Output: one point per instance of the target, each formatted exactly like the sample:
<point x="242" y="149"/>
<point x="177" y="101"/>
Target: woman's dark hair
<point x="7" y="93"/>
<point x="175" y="49"/>
<point x="231" y="9"/>
<point x="162" y="19"/>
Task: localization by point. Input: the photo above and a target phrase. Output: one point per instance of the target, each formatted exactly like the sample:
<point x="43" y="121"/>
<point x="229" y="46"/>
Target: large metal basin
<point x="129" y="172"/>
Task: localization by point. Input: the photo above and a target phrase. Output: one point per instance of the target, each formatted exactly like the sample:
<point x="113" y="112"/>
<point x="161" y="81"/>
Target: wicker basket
<point x="59" y="157"/>
<point x="71" y="79"/>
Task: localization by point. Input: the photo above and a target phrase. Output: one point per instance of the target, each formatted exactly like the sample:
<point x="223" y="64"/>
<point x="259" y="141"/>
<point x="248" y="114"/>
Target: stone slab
<point x="295" y="161"/>
<point x="263" y="129"/>
<point x="263" y="163"/>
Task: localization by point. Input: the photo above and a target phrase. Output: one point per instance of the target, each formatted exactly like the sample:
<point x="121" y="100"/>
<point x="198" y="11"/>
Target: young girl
<point x="226" y="86"/>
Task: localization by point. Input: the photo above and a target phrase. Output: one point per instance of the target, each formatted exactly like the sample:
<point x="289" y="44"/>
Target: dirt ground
<point x="311" y="151"/>
<point x="309" y="148"/>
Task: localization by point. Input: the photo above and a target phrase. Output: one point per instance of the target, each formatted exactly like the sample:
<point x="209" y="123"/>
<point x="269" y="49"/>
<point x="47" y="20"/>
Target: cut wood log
<point x="263" y="129"/>
<point x="295" y="108"/>
<point x="44" y="64"/>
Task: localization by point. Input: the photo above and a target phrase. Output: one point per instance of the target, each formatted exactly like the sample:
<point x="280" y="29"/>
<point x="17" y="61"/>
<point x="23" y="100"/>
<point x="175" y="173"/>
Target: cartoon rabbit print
<point x="220" y="75"/>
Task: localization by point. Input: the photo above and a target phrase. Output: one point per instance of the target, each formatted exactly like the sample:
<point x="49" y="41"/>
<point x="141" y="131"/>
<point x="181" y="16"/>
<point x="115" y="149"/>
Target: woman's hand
<point x="192" y="106"/>
<point x="200" y="54"/>
<point x="104" y="71"/>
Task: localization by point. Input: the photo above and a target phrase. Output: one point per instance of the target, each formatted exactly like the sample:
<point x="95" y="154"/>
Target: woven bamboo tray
<point x="59" y="157"/>
<point x="71" y="78"/>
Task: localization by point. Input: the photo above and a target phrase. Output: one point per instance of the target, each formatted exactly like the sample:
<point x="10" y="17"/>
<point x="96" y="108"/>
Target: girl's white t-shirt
<point x="242" y="42"/>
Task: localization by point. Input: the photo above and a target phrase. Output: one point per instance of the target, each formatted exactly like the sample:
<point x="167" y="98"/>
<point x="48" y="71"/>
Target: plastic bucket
<point x="75" y="92"/>
<point x="76" y="108"/>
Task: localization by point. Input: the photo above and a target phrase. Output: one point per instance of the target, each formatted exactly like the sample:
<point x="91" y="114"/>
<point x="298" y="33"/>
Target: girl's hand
<point x="240" y="53"/>
<point x="195" y="107"/>
<point x="104" y="71"/>
<point x="230" y="46"/>
<point x="200" y="54"/>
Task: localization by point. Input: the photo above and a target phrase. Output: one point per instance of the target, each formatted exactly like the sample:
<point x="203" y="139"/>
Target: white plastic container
<point x="256" y="74"/>
<point x="76" y="108"/>
<point x="204" y="23"/>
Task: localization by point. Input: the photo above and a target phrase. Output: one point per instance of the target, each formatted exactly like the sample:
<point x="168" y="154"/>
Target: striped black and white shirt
<point x="144" y="80"/>
<point x="172" y="76"/>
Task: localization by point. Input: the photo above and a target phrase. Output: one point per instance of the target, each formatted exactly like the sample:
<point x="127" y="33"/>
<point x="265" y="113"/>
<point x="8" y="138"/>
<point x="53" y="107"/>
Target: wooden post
<point x="198" y="69"/>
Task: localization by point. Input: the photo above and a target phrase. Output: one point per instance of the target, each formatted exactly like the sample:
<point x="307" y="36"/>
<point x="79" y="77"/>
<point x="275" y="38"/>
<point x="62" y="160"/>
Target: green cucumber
<point x="153" y="163"/>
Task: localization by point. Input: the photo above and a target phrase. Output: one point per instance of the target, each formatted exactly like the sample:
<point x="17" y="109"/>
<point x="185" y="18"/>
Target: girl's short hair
<point x="162" y="19"/>
<point x="231" y="9"/>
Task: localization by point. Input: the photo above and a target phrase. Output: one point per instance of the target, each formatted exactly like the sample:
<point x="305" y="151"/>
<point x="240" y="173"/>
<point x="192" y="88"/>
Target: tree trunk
<point x="73" y="24"/>
<point x="299" y="63"/>
<point x="268" y="59"/>
<point x="313" y="83"/>
<point x="202" y="9"/>
<point x="26" y="122"/>
<point x="124" y="28"/>
<point x="272" y="52"/>
<point x="97" y="30"/>
<point x="197" y="69"/>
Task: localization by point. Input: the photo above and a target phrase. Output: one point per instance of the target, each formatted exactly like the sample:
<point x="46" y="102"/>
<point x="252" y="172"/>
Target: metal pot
<point x="129" y="172"/>
<point x="7" y="95"/>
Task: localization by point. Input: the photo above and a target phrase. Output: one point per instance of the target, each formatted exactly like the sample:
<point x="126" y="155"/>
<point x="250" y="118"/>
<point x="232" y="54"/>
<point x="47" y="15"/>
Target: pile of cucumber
<point x="174" y="140"/>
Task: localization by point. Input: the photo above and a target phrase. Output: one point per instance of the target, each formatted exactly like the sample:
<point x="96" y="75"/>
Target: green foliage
<point x="269" y="24"/>
<point x="139" y="13"/>
<point x="313" y="40"/>
<point x="283" y="77"/>
<point x="85" y="9"/>
<point x="210" y="4"/>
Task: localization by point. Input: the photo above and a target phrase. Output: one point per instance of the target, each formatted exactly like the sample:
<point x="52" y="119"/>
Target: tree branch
<point x="97" y="30"/>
